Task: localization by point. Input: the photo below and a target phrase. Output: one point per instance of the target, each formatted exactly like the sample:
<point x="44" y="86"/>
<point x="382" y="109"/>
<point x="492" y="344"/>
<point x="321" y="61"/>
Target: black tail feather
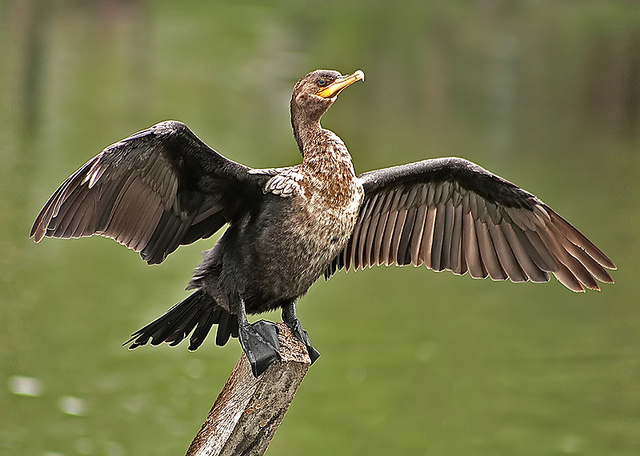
<point x="201" y="331"/>
<point x="197" y="313"/>
<point x="223" y="329"/>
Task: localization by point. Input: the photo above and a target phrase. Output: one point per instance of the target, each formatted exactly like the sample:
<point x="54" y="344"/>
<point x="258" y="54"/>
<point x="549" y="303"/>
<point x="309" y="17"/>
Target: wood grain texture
<point x="248" y="410"/>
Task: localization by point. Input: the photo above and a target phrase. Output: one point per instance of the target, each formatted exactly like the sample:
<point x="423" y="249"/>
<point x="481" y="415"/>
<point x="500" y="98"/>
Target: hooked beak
<point x="336" y="86"/>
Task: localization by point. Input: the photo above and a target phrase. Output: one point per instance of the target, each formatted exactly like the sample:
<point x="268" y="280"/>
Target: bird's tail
<point x="196" y="313"/>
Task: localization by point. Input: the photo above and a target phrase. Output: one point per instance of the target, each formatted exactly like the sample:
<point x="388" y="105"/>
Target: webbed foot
<point x="260" y="343"/>
<point x="291" y="320"/>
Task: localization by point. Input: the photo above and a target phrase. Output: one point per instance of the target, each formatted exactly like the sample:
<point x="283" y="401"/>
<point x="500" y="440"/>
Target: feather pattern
<point x="140" y="192"/>
<point x="452" y="214"/>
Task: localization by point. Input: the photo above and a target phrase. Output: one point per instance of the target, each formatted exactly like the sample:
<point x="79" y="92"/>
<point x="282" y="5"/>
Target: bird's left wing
<point x="153" y="191"/>
<point x="452" y="214"/>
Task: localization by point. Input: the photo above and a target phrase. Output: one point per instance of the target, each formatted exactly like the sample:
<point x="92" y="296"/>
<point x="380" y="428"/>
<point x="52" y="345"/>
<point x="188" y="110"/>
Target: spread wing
<point x="452" y="214"/>
<point x="153" y="191"/>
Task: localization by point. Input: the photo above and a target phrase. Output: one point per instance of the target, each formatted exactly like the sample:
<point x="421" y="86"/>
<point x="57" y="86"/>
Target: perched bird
<point x="163" y="187"/>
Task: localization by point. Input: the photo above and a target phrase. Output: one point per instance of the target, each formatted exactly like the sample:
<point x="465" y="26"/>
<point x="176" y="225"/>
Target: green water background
<point x="546" y="94"/>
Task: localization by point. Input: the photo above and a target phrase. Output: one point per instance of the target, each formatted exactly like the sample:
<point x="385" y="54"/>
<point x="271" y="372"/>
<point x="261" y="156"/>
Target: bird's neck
<point x="319" y="143"/>
<point x="313" y="140"/>
<point x="307" y="134"/>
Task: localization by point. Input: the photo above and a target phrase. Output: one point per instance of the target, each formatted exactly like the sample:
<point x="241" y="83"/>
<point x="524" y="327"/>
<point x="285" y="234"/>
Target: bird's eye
<point x="321" y="82"/>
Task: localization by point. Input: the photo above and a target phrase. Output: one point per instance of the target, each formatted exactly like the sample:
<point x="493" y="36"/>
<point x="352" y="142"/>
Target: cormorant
<point x="163" y="187"/>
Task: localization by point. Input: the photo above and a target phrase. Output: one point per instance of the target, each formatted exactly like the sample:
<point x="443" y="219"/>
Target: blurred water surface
<point x="546" y="94"/>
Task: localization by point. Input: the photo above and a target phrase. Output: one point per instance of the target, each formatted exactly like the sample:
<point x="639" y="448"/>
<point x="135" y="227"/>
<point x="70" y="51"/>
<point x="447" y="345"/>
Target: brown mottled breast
<point x="321" y="198"/>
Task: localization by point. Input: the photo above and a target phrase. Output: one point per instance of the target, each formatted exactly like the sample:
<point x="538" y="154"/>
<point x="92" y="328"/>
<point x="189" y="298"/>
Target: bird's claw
<point x="260" y="343"/>
<point x="303" y="336"/>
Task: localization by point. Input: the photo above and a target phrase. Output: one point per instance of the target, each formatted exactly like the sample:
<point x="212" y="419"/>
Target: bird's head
<point x="314" y="93"/>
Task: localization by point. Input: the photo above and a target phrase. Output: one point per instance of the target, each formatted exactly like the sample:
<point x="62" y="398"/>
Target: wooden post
<point x="248" y="410"/>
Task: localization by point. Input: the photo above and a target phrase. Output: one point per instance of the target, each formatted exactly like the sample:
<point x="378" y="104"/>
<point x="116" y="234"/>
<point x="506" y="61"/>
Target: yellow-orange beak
<point x="336" y="86"/>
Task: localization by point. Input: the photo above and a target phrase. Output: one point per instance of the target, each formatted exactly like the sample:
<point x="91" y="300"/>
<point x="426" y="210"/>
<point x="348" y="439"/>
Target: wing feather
<point x="404" y="253"/>
<point x="456" y="261"/>
<point x="157" y="189"/>
<point x="488" y="252"/>
<point x="438" y="237"/>
<point x="471" y="249"/>
<point x="523" y="252"/>
<point x="452" y="214"/>
<point x="376" y="212"/>
<point x="397" y="232"/>
<point x="505" y="254"/>
<point x="416" y="240"/>
<point x="388" y="231"/>
<point x="380" y="257"/>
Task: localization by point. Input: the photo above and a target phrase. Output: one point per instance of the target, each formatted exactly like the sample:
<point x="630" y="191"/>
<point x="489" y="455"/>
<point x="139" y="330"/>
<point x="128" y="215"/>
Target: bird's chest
<point x="326" y="214"/>
<point x="313" y="226"/>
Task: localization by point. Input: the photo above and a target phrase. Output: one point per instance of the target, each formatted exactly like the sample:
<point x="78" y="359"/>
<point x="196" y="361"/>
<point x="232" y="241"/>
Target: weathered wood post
<point x="248" y="410"/>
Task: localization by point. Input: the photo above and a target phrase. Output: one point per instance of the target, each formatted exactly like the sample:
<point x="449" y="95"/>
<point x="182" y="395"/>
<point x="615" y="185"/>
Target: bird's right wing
<point x="153" y="191"/>
<point x="452" y="214"/>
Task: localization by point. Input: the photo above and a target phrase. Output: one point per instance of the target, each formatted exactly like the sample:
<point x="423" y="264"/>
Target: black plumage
<point x="163" y="187"/>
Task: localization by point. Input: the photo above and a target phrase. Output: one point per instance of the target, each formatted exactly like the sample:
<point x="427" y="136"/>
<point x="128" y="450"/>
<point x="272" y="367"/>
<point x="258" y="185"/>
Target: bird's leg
<point x="259" y="341"/>
<point x="290" y="318"/>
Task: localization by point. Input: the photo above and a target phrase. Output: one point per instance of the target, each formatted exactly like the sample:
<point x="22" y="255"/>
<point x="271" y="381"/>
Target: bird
<point x="286" y="227"/>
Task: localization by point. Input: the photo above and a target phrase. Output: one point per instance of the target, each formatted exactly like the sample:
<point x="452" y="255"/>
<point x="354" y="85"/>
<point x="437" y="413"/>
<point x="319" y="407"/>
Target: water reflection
<point x="25" y="386"/>
<point x="72" y="405"/>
